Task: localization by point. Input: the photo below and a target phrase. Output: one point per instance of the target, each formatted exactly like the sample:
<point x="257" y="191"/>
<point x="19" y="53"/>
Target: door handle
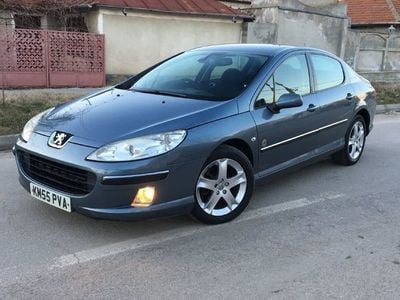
<point x="311" y="108"/>
<point x="349" y="97"/>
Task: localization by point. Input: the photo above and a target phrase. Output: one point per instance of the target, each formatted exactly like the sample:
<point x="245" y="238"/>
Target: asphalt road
<point x="324" y="232"/>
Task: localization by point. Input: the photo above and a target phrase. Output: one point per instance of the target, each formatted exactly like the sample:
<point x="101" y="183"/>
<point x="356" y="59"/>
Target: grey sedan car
<point x="193" y="133"/>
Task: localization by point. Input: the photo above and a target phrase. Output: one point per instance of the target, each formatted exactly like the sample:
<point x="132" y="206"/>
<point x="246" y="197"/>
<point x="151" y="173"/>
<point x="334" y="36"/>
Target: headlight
<point x="31" y="124"/>
<point x="139" y="148"/>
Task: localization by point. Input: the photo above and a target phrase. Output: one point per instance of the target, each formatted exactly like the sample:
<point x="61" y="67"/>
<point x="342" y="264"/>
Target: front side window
<point x="291" y="77"/>
<point x="203" y="75"/>
<point x="328" y="72"/>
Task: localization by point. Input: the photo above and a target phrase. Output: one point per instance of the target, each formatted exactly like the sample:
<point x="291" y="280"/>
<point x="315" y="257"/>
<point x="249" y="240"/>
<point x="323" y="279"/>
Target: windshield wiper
<point x="159" y="92"/>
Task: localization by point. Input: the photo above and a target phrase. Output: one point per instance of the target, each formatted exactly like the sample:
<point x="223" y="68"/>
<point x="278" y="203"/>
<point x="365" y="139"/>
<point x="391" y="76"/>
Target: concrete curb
<point x="8" y="141"/>
<point x="387" y="108"/>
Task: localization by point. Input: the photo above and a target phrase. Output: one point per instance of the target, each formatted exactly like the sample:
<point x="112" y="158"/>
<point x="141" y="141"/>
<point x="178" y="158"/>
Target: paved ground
<point x="323" y="232"/>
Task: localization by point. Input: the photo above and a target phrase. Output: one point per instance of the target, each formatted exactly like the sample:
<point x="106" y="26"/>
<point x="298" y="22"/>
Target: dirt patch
<point x="14" y="114"/>
<point x="21" y="105"/>
<point x="387" y="93"/>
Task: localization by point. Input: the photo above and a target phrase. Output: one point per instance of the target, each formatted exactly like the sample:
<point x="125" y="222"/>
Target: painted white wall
<point x="137" y="41"/>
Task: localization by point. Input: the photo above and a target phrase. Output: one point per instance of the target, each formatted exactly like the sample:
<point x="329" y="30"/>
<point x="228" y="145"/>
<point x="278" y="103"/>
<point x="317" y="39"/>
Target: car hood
<point x="115" y="114"/>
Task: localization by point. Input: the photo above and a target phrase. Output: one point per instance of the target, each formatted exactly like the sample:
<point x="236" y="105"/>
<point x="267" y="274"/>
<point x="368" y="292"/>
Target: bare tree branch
<point x="61" y="11"/>
<point x="42" y="5"/>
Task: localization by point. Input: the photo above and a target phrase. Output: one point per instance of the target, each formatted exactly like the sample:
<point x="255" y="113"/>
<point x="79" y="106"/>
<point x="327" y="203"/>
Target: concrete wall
<point x="321" y="24"/>
<point x="237" y="4"/>
<point x="138" y="40"/>
<point x="94" y="22"/>
<point x="319" y="3"/>
<point x="324" y="24"/>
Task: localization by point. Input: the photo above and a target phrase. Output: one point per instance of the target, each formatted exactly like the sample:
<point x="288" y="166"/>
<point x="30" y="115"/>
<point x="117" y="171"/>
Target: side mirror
<point x="286" y="101"/>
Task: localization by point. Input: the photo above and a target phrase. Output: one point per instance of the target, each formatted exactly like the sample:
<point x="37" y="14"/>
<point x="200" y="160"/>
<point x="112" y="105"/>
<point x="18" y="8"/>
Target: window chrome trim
<point x="303" y="135"/>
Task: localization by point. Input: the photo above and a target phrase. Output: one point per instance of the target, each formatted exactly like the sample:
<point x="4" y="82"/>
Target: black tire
<point x="220" y="154"/>
<point x="343" y="156"/>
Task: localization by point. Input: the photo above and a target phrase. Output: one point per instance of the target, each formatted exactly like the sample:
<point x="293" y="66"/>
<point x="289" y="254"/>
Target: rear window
<point x="328" y="72"/>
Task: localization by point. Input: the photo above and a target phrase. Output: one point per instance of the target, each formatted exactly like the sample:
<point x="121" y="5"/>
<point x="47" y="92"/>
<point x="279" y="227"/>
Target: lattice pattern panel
<point x="22" y="50"/>
<point x="50" y="58"/>
<point x="75" y="52"/>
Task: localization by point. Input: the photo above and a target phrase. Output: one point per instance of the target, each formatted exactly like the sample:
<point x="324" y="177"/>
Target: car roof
<point x="261" y="49"/>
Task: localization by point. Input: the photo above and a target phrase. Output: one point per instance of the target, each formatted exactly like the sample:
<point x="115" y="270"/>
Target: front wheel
<point x="224" y="186"/>
<point x="355" y="142"/>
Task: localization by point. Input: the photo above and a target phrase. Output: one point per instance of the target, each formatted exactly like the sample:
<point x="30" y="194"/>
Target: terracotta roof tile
<point x="372" y="11"/>
<point x="397" y="5"/>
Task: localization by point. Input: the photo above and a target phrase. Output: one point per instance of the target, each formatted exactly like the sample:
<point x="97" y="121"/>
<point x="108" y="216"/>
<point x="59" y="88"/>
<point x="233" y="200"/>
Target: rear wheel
<point x="224" y="186"/>
<point x="355" y="142"/>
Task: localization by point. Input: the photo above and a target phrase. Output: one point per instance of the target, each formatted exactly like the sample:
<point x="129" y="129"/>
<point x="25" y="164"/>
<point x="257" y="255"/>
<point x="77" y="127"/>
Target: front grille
<point x="55" y="175"/>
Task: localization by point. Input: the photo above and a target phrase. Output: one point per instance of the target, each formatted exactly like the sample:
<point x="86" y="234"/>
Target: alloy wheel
<point x="356" y="140"/>
<point x="221" y="187"/>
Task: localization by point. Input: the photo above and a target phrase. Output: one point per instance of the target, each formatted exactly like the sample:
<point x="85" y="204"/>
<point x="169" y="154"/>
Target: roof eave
<point x="245" y="18"/>
<point x="374" y="23"/>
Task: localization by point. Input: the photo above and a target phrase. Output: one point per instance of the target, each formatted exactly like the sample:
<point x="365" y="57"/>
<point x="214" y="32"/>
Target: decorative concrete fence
<point x="379" y="52"/>
<point x="42" y="58"/>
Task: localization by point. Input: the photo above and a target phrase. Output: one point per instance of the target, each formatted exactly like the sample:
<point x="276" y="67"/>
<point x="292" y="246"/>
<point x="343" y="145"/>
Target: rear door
<point x="335" y="100"/>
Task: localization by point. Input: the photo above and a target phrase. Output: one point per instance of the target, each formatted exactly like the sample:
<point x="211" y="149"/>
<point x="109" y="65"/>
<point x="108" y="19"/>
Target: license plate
<point x="54" y="199"/>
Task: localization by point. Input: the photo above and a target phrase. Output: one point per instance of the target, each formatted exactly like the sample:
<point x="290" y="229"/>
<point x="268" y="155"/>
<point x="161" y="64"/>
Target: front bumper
<point x="167" y="209"/>
<point x="117" y="183"/>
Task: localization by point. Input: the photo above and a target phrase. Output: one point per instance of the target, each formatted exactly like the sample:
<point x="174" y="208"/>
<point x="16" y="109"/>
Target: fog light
<point x="144" y="197"/>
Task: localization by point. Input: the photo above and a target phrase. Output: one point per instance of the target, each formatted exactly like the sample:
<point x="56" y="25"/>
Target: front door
<point x="283" y="137"/>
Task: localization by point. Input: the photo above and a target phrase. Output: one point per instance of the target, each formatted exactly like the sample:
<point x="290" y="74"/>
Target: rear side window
<point x="328" y="72"/>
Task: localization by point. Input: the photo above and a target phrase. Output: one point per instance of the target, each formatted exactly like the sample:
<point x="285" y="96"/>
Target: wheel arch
<point x="366" y="116"/>
<point x="242" y="146"/>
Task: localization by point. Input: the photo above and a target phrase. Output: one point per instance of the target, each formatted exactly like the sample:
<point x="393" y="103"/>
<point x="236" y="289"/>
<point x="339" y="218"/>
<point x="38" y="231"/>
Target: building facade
<point x="373" y="43"/>
<point x="137" y="38"/>
<point x="138" y="33"/>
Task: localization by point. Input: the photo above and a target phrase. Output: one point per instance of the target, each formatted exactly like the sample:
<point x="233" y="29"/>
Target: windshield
<point x="202" y="75"/>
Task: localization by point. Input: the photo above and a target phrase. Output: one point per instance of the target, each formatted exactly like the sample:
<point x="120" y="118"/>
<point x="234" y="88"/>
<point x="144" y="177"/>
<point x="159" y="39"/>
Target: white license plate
<point x="54" y="199"/>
